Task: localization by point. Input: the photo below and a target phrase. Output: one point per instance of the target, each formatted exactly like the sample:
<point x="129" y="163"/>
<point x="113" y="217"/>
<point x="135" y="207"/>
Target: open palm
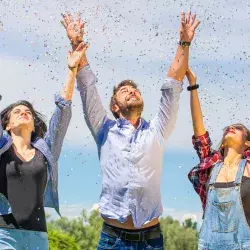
<point x="188" y="26"/>
<point x="74" y="28"/>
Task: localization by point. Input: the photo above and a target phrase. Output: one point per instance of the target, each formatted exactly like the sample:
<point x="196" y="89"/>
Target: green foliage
<point x="177" y="236"/>
<point x="82" y="233"/>
<point x="61" y="240"/>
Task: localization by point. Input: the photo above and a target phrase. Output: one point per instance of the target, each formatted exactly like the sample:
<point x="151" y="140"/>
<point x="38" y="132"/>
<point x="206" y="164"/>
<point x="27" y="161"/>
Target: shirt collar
<point x="121" y="122"/>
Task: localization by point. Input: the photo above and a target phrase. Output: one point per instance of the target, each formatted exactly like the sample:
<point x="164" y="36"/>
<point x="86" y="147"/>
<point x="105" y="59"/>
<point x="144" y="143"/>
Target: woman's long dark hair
<point x="39" y="119"/>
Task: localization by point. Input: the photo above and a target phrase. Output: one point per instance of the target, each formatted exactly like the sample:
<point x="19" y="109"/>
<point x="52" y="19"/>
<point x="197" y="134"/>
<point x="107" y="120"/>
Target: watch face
<point x="184" y="44"/>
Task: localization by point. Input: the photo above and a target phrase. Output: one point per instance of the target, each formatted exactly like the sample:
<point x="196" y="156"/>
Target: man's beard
<point x="128" y="109"/>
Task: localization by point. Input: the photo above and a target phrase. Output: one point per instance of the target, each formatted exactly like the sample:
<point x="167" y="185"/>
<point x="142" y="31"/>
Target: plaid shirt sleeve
<point x="199" y="175"/>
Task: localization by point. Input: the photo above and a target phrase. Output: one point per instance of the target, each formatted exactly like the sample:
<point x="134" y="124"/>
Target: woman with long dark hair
<point x="222" y="180"/>
<point x="28" y="166"/>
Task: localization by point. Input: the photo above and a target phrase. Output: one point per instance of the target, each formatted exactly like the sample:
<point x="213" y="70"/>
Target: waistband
<point x="143" y="234"/>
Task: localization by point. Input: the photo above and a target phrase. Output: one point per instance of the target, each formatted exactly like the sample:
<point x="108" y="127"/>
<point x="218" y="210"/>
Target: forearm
<point x="196" y="113"/>
<point x="68" y="88"/>
<point x="180" y="64"/>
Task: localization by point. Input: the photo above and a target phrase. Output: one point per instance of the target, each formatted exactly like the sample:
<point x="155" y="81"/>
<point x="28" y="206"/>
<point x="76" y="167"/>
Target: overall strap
<point x="215" y="172"/>
<point x="240" y="172"/>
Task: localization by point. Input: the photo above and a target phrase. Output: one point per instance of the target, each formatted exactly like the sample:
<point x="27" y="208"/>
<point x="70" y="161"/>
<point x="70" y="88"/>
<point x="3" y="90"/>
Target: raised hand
<point x="188" y="26"/>
<point x="191" y="76"/>
<point x="74" y="28"/>
<point x="76" y="56"/>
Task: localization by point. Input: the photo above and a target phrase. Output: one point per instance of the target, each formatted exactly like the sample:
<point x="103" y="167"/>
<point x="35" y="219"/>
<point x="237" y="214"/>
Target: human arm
<point x="166" y="116"/>
<point x="60" y="119"/>
<point x="196" y="112"/>
<point x="94" y="112"/>
<point x="179" y="66"/>
<point x="200" y="174"/>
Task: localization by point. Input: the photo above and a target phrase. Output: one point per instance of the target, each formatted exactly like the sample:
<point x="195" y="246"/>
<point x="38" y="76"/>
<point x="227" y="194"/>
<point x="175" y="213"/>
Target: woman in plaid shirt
<point x="222" y="180"/>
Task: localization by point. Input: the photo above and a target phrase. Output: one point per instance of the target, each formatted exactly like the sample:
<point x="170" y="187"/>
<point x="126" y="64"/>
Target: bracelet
<point x="184" y="44"/>
<point x="71" y="68"/>
<point x="190" y="88"/>
<point x="75" y="43"/>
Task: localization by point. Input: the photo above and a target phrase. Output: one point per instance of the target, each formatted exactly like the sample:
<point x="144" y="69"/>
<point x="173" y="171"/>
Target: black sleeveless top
<point x="245" y="194"/>
<point x="23" y="184"/>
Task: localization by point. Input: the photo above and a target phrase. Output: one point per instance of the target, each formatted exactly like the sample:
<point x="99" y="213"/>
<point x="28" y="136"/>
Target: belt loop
<point x="121" y="235"/>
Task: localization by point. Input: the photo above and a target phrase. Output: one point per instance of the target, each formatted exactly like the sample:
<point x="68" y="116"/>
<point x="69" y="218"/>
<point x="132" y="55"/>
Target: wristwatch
<point x="184" y="44"/>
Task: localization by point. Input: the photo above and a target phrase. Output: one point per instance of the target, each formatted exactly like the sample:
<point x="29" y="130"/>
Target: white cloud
<point x="182" y="215"/>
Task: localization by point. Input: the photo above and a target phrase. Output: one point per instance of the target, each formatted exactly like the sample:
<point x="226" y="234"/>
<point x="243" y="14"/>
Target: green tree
<point x="85" y="231"/>
<point x="61" y="241"/>
<point x="176" y="236"/>
<point x="188" y="223"/>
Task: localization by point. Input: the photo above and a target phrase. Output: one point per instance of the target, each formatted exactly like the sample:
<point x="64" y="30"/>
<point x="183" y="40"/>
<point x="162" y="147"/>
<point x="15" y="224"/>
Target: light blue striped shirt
<point x="130" y="159"/>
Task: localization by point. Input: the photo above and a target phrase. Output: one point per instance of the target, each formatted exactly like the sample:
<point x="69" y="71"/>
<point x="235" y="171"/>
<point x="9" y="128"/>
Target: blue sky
<point x="133" y="39"/>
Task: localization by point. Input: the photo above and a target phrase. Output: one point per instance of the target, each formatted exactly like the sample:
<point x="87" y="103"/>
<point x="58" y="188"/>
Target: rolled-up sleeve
<point x="203" y="145"/>
<point x="58" y="125"/>
<point x="166" y="116"/>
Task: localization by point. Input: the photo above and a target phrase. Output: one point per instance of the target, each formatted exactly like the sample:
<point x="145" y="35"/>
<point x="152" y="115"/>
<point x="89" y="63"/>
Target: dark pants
<point x="108" y="242"/>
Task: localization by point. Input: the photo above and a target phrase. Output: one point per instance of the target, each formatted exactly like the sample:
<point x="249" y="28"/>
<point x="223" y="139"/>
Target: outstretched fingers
<point x="196" y="24"/>
<point x="65" y="25"/>
<point x="70" y="17"/>
<point x="78" y="20"/>
<point x="65" y="18"/>
<point x="192" y="19"/>
<point x="183" y="20"/>
<point x="188" y="16"/>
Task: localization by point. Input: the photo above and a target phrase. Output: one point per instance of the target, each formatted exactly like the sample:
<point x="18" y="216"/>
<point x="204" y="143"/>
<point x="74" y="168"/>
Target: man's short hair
<point x="116" y="89"/>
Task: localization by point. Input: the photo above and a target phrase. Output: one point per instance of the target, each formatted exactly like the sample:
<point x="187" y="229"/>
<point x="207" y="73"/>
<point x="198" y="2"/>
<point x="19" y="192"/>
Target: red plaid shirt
<point x="199" y="175"/>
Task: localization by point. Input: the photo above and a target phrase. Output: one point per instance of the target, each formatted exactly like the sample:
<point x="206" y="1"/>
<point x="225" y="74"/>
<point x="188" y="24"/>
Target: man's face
<point x="128" y="99"/>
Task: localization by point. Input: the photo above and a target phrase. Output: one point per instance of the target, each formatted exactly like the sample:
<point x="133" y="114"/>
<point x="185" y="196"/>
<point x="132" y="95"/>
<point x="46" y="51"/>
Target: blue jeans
<point x="16" y="239"/>
<point x="107" y="242"/>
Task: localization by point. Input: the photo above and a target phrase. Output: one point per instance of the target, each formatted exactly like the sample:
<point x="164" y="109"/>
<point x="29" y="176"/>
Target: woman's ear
<point x="7" y="127"/>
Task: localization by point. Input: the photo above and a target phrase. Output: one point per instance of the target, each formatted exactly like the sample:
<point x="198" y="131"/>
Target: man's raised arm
<point x="94" y="112"/>
<point x="167" y="114"/>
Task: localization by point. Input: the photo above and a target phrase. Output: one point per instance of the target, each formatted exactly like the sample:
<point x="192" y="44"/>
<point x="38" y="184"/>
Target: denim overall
<point x="225" y="226"/>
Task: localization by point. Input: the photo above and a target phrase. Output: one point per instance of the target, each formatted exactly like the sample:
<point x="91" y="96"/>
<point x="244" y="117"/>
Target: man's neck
<point x="133" y="119"/>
